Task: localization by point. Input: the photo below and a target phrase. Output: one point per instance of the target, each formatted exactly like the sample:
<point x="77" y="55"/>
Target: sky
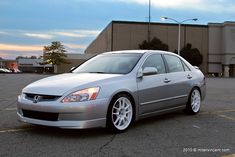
<point x="28" y="25"/>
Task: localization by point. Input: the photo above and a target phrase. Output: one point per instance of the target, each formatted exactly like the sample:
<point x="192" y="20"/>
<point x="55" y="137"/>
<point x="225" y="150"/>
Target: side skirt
<point x="160" y="112"/>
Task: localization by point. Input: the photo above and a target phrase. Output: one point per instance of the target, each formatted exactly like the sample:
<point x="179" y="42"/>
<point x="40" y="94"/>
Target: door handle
<point x="189" y="76"/>
<point x="167" y="80"/>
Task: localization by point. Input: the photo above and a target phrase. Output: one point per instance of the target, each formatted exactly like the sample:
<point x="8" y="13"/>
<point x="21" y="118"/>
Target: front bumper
<point x="80" y="115"/>
<point x="69" y="124"/>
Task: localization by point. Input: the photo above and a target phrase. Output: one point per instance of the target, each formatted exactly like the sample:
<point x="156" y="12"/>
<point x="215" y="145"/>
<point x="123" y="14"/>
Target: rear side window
<point x="186" y="68"/>
<point x="155" y="61"/>
<point x="174" y="63"/>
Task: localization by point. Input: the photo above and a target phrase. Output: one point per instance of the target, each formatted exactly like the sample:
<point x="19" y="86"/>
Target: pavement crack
<point x="107" y="143"/>
<point x="15" y="101"/>
<point x="100" y="149"/>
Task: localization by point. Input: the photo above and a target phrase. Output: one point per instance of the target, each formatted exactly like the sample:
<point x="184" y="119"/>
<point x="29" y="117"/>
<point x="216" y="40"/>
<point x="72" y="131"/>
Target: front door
<point x="153" y="90"/>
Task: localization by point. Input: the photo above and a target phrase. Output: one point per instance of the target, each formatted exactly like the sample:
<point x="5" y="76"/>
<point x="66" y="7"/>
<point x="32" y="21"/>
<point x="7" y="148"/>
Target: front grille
<point x="40" y="115"/>
<point x="31" y="96"/>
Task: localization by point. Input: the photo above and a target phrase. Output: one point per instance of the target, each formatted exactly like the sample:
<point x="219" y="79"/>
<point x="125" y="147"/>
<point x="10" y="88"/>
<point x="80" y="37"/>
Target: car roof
<point x="139" y="51"/>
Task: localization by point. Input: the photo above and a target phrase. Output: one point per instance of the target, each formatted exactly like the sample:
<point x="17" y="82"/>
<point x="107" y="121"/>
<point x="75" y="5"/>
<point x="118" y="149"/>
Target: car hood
<point x="60" y="84"/>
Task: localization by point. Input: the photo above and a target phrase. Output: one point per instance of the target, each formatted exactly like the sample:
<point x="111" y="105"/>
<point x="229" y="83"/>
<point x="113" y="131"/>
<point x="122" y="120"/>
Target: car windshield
<point x="113" y="63"/>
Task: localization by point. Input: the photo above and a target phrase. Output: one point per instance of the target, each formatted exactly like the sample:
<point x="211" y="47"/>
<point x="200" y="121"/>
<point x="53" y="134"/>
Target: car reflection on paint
<point x="113" y="90"/>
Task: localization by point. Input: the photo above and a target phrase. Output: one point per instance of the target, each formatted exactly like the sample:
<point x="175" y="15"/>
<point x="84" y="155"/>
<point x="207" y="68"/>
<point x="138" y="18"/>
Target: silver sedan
<point x="113" y="90"/>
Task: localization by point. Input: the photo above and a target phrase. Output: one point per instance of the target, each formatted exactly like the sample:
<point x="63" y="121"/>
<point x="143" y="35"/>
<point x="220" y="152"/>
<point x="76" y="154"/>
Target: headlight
<point x="82" y="95"/>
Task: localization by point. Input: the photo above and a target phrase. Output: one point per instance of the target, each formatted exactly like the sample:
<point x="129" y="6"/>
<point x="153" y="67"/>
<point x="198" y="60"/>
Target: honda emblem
<point x="36" y="99"/>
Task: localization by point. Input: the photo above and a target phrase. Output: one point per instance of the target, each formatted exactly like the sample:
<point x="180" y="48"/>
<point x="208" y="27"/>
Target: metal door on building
<point x="232" y="70"/>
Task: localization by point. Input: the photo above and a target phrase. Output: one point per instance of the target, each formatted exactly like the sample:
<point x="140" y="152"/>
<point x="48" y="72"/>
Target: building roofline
<point x="225" y="23"/>
<point x="110" y="24"/>
<point x="156" y="23"/>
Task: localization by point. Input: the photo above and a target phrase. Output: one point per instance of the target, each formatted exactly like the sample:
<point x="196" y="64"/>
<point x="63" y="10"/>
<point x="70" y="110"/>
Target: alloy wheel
<point x="122" y="113"/>
<point x="195" y="100"/>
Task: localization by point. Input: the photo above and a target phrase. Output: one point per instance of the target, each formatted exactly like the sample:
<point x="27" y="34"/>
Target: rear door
<point x="179" y="75"/>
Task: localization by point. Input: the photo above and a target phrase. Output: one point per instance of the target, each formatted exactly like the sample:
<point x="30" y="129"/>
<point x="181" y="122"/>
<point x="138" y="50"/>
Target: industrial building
<point x="29" y="65"/>
<point x="215" y="41"/>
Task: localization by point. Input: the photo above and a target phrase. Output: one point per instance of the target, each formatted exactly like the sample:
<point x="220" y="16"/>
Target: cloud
<point x="62" y="33"/>
<point x="12" y="47"/>
<point x="4" y="33"/>
<point x="91" y="33"/>
<point x="38" y="35"/>
<point x="10" y="51"/>
<point x="69" y="34"/>
<point x="14" y="54"/>
<point x="201" y="5"/>
<point x="75" y="46"/>
<point x="52" y="34"/>
<point x="77" y="33"/>
<point x="31" y="42"/>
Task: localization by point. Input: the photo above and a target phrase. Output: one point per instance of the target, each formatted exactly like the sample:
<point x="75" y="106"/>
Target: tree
<point x="54" y="54"/>
<point x="154" y="44"/>
<point x="192" y="55"/>
<point x="33" y="57"/>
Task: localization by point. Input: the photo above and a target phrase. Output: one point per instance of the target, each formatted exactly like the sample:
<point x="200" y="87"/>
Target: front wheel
<point x="194" y="102"/>
<point x="120" y="113"/>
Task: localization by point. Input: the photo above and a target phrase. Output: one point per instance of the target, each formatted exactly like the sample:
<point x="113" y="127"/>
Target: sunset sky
<point x="28" y="25"/>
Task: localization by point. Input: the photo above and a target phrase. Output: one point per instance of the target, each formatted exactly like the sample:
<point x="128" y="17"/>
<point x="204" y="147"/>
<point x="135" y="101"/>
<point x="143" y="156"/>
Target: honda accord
<point x="113" y="90"/>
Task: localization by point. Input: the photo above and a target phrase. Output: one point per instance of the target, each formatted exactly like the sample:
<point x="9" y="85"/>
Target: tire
<point x="194" y="102"/>
<point x="120" y="113"/>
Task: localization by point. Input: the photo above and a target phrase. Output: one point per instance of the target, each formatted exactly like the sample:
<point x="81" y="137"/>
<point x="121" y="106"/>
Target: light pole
<point x="149" y="21"/>
<point x="179" y="23"/>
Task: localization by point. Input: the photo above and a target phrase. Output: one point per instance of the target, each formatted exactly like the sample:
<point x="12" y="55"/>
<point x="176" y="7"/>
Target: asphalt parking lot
<point x="210" y="133"/>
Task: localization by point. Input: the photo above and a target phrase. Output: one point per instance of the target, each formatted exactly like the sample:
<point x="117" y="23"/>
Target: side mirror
<point x="72" y="69"/>
<point x="150" y="71"/>
<point x="196" y="67"/>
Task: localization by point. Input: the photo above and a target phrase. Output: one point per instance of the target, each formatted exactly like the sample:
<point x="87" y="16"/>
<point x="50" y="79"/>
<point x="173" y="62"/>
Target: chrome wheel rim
<point x="122" y="113"/>
<point x="195" y="100"/>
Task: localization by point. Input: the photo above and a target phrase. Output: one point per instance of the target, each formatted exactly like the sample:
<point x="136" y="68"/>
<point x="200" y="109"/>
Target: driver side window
<point x="155" y="61"/>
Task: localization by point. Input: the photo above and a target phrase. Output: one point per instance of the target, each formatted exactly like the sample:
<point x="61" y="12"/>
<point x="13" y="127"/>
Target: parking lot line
<point x="9" y="109"/>
<point x="231" y="155"/>
<point x="227" y="117"/>
<point x="14" y="130"/>
<point x="221" y="114"/>
<point x="224" y="111"/>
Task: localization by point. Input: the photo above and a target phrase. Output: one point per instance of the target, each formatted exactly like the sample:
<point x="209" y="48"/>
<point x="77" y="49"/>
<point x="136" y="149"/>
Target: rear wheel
<point x="194" y="102"/>
<point x="120" y="113"/>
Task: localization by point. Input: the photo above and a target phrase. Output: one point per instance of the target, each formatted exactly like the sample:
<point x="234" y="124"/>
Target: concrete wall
<point x="222" y="48"/>
<point x="128" y="35"/>
<point x="228" y="42"/>
<point x="215" y="49"/>
<point x="102" y="43"/>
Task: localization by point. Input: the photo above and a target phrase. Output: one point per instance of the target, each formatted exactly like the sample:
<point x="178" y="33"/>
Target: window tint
<point x="174" y="63"/>
<point x="155" y="61"/>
